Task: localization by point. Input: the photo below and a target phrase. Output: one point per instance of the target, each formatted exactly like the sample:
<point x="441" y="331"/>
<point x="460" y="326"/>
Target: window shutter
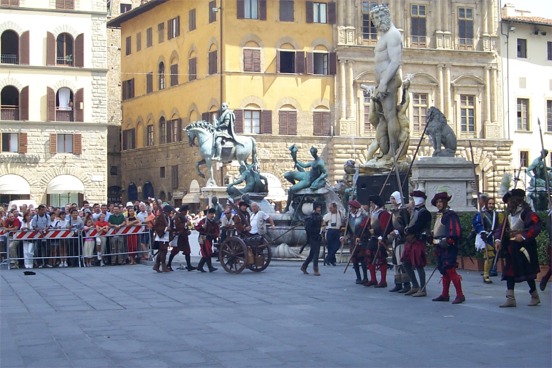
<point x="309" y="68"/>
<point x="24" y="48"/>
<point x="22" y="143"/>
<point x="79" y="51"/>
<point x="50" y="49"/>
<point x="77" y="144"/>
<point x="278" y="61"/>
<point x="241" y="9"/>
<point x="238" y="123"/>
<point x="53" y="144"/>
<point x="79" y="100"/>
<point x="262" y="9"/>
<point x="51" y="105"/>
<point x="292" y="123"/>
<point x="333" y="63"/>
<point x="266" y="122"/>
<point x="300" y="62"/>
<point x="326" y="124"/>
<point x="331" y="13"/>
<point x="24" y="104"/>
<point x="205" y="116"/>
<point x="310" y="16"/>
<point x="317" y="124"/>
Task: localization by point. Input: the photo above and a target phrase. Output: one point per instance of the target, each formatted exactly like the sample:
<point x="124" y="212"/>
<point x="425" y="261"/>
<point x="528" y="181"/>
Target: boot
<point x="444" y="297"/>
<point x="535" y="300"/>
<point x="156" y="265"/>
<point x="304" y="269"/>
<point x="210" y="266"/>
<point x="510" y="299"/>
<point x="365" y="281"/>
<point x="398" y="284"/>
<point x="189" y="263"/>
<point x="405" y="288"/>
<point x="383" y="280"/>
<point x="456" y="281"/>
<point x="200" y="265"/>
<point x="486" y="269"/>
<point x="373" y="278"/>
<point x="316" y="273"/>
<point x="357" y="273"/>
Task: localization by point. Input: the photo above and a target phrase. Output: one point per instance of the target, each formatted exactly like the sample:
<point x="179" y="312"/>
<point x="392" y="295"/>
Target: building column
<point x="448" y="93"/>
<point x="494" y="95"/>
<point x="441" y="97"/>
<point x="343" y="82"/>
<point x="341" y="13"/>
<point x="487" y="119"/>
<point x="350" y="88"/>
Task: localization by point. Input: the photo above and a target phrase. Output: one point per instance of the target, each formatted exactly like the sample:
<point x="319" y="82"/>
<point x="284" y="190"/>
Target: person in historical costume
<point x="209" y="231"/>
<point x="313" y="224"/>
<point x="376" y="224"/>
<point x="163" y="227"/>
<point x="518" y="246"/>
<point x="182" y="227"/>
<point x="446" y="235"/>
<point x="333" y="220"/>
<point x="400" y="218"/>
<point x="352" y="236"/>
<point x="484" y="224"/>
<point x="416" y="233"/>
<point x="242" y="220"/>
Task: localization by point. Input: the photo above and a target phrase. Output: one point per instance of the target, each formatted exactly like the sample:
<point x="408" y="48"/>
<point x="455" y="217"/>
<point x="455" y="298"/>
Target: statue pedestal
<point x="453" y="175"/>
<point x="207" y="193"/>
<point x="368" y="185"/>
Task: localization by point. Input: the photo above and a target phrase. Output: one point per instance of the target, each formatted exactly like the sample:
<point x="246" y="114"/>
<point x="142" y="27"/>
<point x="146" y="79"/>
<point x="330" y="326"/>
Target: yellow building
<point x="272" y="61"/>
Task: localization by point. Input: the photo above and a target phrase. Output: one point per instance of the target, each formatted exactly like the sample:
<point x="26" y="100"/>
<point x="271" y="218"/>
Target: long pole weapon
<point x="415" y="154"/>
<point x="347" y="213"/>
<point x="546" y="179"/>
<point x="478" y="195"/>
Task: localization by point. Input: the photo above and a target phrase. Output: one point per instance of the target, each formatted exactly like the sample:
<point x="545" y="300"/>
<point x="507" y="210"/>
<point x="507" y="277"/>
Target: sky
<point x="538" y="8"/>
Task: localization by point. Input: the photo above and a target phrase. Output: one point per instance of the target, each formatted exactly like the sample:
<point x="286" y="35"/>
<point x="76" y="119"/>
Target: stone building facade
<point x="54" y="101"/>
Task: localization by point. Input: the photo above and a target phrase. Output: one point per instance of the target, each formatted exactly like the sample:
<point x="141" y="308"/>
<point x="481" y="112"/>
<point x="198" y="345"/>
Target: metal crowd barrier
<point x="44" y="240"/>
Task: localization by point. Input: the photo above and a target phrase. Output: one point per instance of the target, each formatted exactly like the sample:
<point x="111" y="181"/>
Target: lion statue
<point x="440" y="133"/>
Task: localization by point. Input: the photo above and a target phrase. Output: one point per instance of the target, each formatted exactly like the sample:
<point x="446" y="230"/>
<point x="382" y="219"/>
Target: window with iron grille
<point x="467" y="113"/>
<point x="418" y="25"/>
<point x="149" y="136"/>
<point x="369" y="31"/>
<point x="419" y="107"/>
<point x="251" y="121"/>
<point x="465" y="28"/>
<point x="251" y="60"/>
<point x="523" y="114"/>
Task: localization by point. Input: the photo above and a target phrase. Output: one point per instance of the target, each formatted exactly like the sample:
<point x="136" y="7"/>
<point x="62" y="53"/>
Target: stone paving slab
<point x="130" y="316"/>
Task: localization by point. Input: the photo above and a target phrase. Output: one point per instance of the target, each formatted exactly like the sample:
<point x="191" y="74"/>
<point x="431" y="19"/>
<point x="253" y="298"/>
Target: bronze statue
<point x="254" y="182"/>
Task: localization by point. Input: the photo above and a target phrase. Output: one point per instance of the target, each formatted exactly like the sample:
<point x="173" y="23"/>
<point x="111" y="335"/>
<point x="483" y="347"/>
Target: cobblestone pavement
<point x="130" y="316"/>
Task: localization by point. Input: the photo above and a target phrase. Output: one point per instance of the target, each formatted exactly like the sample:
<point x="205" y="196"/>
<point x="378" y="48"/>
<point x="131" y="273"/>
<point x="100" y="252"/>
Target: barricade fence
<point x="69" y="248"/>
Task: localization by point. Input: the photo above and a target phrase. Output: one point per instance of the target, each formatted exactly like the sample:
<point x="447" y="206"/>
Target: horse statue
<point x="205" y="132"/>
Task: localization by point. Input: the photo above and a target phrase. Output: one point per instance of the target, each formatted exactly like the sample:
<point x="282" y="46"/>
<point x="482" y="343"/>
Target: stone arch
<point x="173" y="59"/>
<point x="424" y="78"/>
<point x="253" y="100"/>
<point x="366" y="76"/>
<point x="192" y="52"/>
<point x="213" y="44"/>
<point x="64" y="28"/>
<point x="10" y="81"/>
<point x="321" y="105"/>
<point x="467" y="80"/>
<point x="128" y="123"/>
<point x="19" y="171"/>
<point x="175" y="114"/>
<point x="248" y="39"/>
<point x="287" y="43"/>
<point x="321" y="42"/>
<point x="65" y="83"/>
<point x="9" y="25"/>
<point x="77" y="172"/>
<point x="288" y="101"/>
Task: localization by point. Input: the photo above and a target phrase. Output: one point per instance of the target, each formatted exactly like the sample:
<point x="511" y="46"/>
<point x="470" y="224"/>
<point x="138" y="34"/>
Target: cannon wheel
<point x="262" y="253"/>
<point x="232" y="255"/>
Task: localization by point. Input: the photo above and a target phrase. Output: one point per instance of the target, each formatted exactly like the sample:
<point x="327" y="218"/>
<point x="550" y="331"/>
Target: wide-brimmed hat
<point x="243" y="203"/>
<point x="517" y="193"/>
<point x="377" y="200"/>
<point x="354" y="203"/>
<point x="168" y="208"/>
<point x="419" y="194"/>
<point x="441" y="195"/>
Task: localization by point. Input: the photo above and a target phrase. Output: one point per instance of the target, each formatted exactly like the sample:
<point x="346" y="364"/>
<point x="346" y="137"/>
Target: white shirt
<point x="332" y="218"/>
<point x="257" y="220"/>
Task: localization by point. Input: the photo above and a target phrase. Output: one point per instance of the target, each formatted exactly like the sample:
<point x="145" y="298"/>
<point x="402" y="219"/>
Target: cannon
<point x="236" y="253"/>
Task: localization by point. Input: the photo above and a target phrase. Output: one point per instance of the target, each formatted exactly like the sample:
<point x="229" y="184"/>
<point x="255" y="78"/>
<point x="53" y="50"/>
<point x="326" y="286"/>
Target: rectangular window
<point x="419" y="107"/>
<point x="212" y="11"/>
<point x="174" y="176"/>
<point x="320" y="63"/>
<point x="369" y="31"/>
<point x="251" y="121"/>
<point x="149" y="82"/>
<point x="192" y="69"/>
<point x="161" y="32"/>
<point x="174" y="131"/>
<point x="522" y="48"/>
<point x="173" y="28"/>
<point x="418" y="25"/>
<point x="523" y="114"/>
<point x="65" y="4"/>
<point x="549" y="116"/>
<point x="549" y="50"/>
<point x="149" y="37"/>
<point x="138" y="41"/>
<point x="465" y="28"/>
<point x="162" y="131"/>
<point x="251" y="60"/>
<point x="128" y="89"/>
<point x="125" y="7"/>
<point x="192" y="20"/>
<point x="128" y="45"/>
<point x="162" y="172"/>
<point x="212" y="62"/>
<point x="251" y="9"/>
<point x="129" y="139"/>
<point x="10" y="3"/>
<point x="64" y="143"/>
<point x="10" y="142"/>
<point x="287" y="122"/>
<point x="286" y="11"/>
<point x="524" y="158"/>
<point x="290" y="61"/>
<point x="149" y="136"/>
<point x="319" y="12"/>
<point x="174" y="75"/>
<point x="467" y="114"/>
<point x="321" y="123"/>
